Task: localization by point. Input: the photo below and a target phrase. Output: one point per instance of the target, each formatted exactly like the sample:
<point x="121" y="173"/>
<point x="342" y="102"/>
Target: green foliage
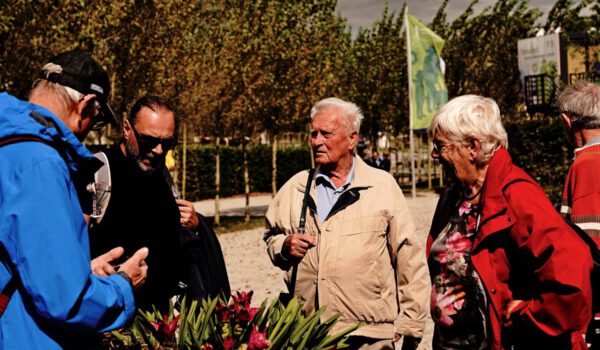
<point x="201" y="169"/>
<point x="377" y="76"/>
<point x="481" y="51"/>
<point x="233" y="324"/>
<point x="566" y="14"/>
<point x="237" y="68"/>
<point x="538" y="146"/>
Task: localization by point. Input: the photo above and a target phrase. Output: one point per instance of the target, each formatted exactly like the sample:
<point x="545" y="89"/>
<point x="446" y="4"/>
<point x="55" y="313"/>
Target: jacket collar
<point x="495" y="212"/>
<point x="362" y="179"/>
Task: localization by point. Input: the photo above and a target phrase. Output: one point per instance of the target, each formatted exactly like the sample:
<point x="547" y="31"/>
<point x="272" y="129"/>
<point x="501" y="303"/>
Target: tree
<point x="481" y="51"/>
<point x="297" y="58"/>
<point x="566" y="15"/>
<point x="377" y="76"/>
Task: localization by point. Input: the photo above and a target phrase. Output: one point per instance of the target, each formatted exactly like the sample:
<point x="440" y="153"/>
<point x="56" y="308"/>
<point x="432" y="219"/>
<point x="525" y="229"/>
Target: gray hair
<point x="581" y="103"/>
<point x="353" y="114"/>
<point x="471" y="116"/>
<point x="67" y="95"/>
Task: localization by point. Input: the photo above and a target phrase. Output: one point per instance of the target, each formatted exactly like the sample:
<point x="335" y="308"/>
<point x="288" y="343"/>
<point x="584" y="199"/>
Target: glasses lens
<point x="438" y="145"/>
<point x="99" y="125"/>
<point x="168" y="144"/>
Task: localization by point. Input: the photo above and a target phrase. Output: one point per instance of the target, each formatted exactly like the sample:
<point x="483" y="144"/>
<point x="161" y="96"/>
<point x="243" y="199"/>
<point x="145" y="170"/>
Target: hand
<point x="509" y="310"/>
<point x="297" y="244"/>
<point x="135" y="268"/>
<point x="189" y="219"/>
<point x="101" y="266"/>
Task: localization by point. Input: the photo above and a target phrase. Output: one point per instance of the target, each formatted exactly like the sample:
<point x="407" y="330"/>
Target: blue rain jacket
<point x="59" y="303"/>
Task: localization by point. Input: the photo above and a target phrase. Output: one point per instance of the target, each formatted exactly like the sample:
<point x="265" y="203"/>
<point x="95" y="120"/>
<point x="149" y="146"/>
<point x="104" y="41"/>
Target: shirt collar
<point x="592" y="142"/>
<point x="321" y="177"/>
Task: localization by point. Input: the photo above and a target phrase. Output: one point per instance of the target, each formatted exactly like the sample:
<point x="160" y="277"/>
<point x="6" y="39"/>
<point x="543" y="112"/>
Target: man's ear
<point x="85" y="106"/>
<point x="126" y="128"/>
<point x="353" y="139"/>
<point x="566" y="120"/>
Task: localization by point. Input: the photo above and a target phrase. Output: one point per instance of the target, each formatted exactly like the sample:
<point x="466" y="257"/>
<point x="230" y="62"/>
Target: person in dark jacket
<point x="508" y="272"/>
<point x="143" y="211"/>
<point x="52" y="298"/>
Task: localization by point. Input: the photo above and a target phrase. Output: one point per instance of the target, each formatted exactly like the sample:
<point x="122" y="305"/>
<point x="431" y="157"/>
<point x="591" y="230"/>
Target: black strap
<point x="301" y="228"/>
<point x="21" y="138"/>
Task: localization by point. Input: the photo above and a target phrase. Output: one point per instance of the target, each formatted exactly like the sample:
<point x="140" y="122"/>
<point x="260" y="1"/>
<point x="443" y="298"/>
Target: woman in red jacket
<point x="507" y="271"/>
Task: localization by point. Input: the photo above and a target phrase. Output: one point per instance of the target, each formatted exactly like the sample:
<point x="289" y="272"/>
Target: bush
<point x="540" y="148"/>
<point x="200" y="182"/>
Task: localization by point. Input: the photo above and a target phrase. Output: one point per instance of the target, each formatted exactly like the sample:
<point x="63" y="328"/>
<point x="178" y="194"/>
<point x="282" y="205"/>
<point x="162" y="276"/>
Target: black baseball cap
<point x="82" y="73"/>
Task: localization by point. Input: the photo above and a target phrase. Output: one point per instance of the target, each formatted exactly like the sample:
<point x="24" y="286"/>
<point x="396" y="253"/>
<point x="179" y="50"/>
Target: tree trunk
<point x="184" y="165"/>
<point x="246" y="180"/>
<point x="274" y="165"/>
<point x="217" y="221"/>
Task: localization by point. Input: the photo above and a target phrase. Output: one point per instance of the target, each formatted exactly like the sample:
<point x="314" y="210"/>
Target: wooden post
<point x="246" y="180"/>
<point x="217" y="180"/>
<point x="429" y="166"/>
<point x="184" y="165"/>
<point x="274" y="165"/>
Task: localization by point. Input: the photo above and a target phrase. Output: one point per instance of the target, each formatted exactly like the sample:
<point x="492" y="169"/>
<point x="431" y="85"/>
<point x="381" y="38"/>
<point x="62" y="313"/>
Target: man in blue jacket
<point x="52" y="300"/>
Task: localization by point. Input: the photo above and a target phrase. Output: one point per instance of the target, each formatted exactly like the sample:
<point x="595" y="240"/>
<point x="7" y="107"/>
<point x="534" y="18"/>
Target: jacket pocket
<point x="364" y="266"/>
<point x="365" y="224"/>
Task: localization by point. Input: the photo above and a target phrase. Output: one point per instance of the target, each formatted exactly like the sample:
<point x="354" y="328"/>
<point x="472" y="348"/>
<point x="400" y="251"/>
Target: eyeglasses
<point x="438" y="146"/>
<point x="98" y="116"/>
<point x="147" y="142"/>
<point x="99" y="125"/>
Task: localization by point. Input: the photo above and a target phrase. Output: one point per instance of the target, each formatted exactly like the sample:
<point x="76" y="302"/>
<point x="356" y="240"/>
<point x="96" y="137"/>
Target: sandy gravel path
<point x="249" y="267"/>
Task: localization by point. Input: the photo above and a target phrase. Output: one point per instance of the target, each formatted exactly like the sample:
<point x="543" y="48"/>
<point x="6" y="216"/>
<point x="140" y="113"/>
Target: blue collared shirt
<point x="327" y="193"/>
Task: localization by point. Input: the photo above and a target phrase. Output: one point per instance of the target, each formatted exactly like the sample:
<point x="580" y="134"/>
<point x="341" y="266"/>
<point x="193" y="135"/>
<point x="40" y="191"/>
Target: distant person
<point x="507" y="270"/>
<point x="579" y="107"/>
<point x="376" y="161"/>
<point x="52" y="299"/>
<point x="359" y="254"/>
<point x="143" y="212"/>
<point x="385" y="164"/>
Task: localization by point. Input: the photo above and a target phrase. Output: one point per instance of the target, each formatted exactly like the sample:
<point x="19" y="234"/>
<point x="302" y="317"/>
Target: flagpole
<point x="410" y="116"/>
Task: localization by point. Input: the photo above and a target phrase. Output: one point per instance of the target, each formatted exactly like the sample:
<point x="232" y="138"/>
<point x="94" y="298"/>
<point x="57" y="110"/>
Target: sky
<point x="362" y="13"/>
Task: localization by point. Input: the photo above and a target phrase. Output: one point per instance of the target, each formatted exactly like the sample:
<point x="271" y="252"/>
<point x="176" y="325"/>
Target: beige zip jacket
<point x="368" y="263"/>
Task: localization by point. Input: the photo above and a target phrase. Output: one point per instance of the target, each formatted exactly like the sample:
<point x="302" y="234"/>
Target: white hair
<point x="581" y="103"/>
<point x="471" y="116"/>
<point x="66" y="94"/>
<point x="353" y="114"/>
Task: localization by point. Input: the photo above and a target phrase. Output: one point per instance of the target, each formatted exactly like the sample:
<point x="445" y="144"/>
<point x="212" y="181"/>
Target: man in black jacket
<point x="143" y="211"/>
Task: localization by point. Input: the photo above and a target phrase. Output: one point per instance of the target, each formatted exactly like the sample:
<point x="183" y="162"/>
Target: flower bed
<point x="227" y="325"/>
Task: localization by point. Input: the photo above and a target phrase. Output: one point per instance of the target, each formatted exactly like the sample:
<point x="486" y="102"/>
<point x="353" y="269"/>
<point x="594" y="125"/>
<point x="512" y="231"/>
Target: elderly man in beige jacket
<point x="359" y="254"/>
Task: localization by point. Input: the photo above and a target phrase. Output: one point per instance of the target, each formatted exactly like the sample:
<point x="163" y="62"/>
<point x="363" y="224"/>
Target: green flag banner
<point x="428" y="89"/>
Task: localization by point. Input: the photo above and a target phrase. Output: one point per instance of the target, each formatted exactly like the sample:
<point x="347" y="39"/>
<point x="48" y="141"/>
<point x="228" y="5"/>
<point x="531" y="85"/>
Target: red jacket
<point x="581" y="196"/>
<point x="551" y="265"/>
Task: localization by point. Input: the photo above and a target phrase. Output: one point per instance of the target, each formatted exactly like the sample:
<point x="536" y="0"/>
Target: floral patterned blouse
<point x="458" y="302"/>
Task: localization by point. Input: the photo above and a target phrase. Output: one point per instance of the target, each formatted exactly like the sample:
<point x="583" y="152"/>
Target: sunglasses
<point x="148" y="142"/>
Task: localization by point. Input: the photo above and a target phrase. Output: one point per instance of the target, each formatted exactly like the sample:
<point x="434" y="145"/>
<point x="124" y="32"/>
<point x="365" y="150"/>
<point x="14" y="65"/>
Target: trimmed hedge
<point x="536" y="145"/>
<point x="200" y="182"/>
<point x="539" y="147"/>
